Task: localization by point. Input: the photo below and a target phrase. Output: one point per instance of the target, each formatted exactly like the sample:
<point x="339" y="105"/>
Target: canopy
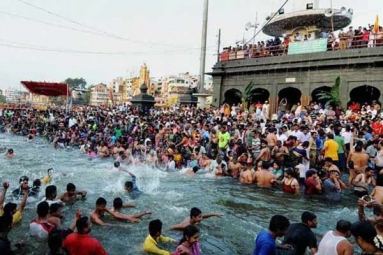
<point x="51" y="89"/>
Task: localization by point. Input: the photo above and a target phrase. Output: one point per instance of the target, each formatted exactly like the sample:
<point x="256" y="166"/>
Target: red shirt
<point x="310" y="187"/>
<point x="77" y="244"/>
<point x="377" y="127"/>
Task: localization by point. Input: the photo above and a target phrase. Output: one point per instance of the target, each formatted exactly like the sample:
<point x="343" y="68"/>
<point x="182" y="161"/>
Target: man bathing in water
<point x="131" y="186"/>
<point x="196" y="216"/>
<point x="99" y="212"/>
<point x="118" y="205"/>
<point x="72" y="194"/>
<point x="10" y="154"/>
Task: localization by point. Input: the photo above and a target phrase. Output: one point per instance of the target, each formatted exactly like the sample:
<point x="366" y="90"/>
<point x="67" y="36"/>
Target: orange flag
<point x="111" y="98"/>
<point x="376" y="25"/>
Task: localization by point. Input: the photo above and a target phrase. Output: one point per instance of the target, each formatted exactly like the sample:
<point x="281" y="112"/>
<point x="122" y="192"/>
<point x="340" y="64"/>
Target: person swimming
<point x="131" y="186"/>
<point x="23" y="180"/>
<point x="10" y="153"/>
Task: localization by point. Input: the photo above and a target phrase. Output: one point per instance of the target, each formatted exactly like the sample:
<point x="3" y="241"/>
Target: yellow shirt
<point x="16" y="217"/>
<point x="331" y="150"/>
<point x="151" y="245"/>
<point x="46" y="179"/>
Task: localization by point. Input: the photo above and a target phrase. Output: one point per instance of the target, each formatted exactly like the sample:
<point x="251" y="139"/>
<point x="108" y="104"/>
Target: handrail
<point x="282" y="49"/>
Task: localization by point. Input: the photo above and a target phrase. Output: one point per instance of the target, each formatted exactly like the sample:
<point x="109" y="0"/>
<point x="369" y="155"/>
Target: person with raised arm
<point x="11" y="208"/>
<point x="99" y="212"/>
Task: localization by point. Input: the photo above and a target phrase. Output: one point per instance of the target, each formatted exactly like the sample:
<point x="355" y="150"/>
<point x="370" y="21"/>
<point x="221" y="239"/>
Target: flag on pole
<point x="111" y="96"/>
<point x="376" y="25"/>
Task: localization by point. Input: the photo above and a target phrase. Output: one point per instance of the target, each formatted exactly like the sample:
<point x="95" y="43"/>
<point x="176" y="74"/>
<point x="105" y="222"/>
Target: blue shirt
<point x="265" y="244"/>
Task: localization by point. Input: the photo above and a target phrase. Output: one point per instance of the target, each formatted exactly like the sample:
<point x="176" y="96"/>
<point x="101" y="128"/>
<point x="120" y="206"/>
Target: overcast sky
<point x="166" y="34"/>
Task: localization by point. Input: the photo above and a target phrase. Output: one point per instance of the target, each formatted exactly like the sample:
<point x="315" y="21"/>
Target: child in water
<point x="189" y="242"/>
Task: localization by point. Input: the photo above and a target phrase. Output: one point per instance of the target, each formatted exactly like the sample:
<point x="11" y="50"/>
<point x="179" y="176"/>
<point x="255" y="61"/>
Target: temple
<point x="297" y="68"/>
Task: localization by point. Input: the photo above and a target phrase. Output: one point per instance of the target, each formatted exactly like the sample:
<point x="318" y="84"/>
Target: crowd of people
<point x="362" y="37"/>
<point x="315" y="151"/>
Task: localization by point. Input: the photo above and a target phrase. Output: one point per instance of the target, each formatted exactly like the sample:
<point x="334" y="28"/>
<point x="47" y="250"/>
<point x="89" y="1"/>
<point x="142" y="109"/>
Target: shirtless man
<point x="117" y="149"/>
<point x="265" y="154"/>
<point x="377" y="193"/>
<point x="362" y="181"/>
<point x="55" y="215"/>
<point x="279" y="152"/>
<point x="196" y="216"/>
<point x="104" y="151"/>
<point x="263" y="177"/>
<point x="234" y="167"/>
<point x="118" y="205"/>
<point x="99" y="212"/>
<point x="272" y="138"/>
<point x="245" y="175"/>
<point x="192" y="171"/>
<point x="360" y="161"/>
<point x="72" y="194"/>
<point x="10" y="154"/>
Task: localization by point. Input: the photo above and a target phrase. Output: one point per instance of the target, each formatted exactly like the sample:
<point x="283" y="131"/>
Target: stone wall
<point x="306" y="72"/>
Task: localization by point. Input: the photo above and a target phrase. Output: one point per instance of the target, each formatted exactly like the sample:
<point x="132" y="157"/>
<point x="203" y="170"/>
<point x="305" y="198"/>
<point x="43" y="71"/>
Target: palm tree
<point x="247" y="95"/>
<point x="333" y="96"/>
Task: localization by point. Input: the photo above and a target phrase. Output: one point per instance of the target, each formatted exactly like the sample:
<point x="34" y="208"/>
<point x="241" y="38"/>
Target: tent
<point x="51" y="89"/>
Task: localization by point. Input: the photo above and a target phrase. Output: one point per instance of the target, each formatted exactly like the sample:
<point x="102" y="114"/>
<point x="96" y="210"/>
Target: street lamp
<point x="254" y="25"/>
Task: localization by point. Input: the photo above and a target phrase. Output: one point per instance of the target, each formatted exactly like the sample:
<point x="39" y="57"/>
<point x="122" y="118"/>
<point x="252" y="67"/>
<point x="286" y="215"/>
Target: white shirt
<point x="171" y="165"/>
<point x="347" y="137"/>
<point x="302" y="170"/>
<point x="37" y="230"/>
<point x="282" y="138"/>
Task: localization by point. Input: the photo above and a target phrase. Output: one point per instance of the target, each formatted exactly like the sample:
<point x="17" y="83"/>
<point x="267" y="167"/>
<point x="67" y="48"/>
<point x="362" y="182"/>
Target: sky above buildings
<point x="117" y="36"/>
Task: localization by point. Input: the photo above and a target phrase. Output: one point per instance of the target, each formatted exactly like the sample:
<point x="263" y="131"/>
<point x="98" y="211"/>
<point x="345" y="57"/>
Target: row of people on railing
<point x="359" y="38"/>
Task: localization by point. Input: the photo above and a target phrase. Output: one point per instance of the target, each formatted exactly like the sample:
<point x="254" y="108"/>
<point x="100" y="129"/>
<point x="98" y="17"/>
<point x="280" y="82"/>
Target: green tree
<point x="76" y="83"/>
<point x="2" y="99"/>
<point x="333" y="96"/>
<point x="247" y="95"/>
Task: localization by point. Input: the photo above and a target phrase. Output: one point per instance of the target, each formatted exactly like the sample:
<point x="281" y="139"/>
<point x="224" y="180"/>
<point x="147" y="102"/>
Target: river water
<point x="246" y="210"/>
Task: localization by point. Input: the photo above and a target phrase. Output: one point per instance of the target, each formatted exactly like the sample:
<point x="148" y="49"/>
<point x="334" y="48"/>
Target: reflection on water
<point x="170" y="196"/>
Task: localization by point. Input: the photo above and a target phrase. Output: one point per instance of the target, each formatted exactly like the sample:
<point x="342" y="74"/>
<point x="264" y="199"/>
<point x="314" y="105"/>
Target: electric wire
<point x="108" y="34"/>
<point x="271" y="18"/>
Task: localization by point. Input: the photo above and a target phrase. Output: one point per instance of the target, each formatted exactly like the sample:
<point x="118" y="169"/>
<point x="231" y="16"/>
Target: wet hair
<point x="116" y="164"/>
<point x="189" y="232"/>
<point x="305" y="144"/>
<point x="50" y="190"/>
<point x="82" y="223"/>
<point x="367" y="232"/>
<point x="289" y="171"/>
<point x="195" y="212"/>
<point x="100" y="201"/>
<point x="328" y="159"/>
<point x="70" y="187"/>
<point x="43" y="209"/>
<point x="155" y="227"/>
<point x="265" y="165"/>
<point x="358" y="148"/>
<point x="129" y="184"/>
<point x="117" y="203"/>
<point x="5" y="223"/>
<point x="23" y="179"/>
<point x="330" y="136"/>
<point x="195" y="169"/>
<point x="308" y="216"/>
<point x="343" y="226"/>
<point x="278" y="222"/>
<point x="9" y="208"/>
<point x="36" y="183"/>
<point x="54" y="208"/>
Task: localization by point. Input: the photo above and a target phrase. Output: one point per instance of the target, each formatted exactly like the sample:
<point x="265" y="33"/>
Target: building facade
<point x="101" y="95"/>
<point x="299" y="78"/>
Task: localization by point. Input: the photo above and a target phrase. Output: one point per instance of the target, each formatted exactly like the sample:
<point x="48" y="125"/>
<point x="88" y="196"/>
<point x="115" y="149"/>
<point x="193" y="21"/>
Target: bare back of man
<point x="263" y="178"/>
